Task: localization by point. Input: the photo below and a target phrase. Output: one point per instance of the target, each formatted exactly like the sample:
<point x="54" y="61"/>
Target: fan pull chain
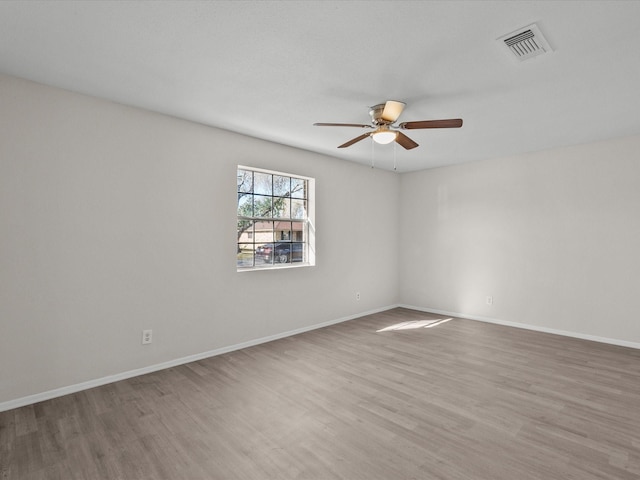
<point x="394" y="156"/>
<point x="372" y="147"/>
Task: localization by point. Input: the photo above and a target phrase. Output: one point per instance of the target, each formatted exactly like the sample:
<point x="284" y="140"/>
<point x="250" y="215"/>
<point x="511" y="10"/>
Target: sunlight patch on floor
<point x="414" y="324"/>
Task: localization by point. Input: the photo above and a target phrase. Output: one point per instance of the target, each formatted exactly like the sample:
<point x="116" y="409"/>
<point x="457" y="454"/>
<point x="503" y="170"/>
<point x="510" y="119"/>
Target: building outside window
<point x="275" y="228"/>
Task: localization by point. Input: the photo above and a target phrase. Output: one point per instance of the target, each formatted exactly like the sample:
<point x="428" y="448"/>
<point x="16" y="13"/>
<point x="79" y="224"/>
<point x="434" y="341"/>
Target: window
<point x="274" y="220"/>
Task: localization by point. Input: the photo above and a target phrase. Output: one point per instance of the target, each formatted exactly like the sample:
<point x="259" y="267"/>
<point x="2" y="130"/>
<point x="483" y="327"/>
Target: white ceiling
<point x="271" y="69"/>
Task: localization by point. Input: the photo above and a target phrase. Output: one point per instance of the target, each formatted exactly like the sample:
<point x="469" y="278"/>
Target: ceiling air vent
<point x="526" y="43"/>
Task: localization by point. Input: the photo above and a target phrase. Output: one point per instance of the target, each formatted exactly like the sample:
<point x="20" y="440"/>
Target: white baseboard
<point x="583" y="336"/>
<point x="59" y="392"/>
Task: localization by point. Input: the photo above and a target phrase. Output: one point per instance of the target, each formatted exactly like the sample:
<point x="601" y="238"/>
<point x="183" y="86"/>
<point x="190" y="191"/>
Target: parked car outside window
<point x="281" y="252"/>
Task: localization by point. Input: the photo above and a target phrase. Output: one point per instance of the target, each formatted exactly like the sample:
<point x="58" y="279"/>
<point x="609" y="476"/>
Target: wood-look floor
<point x="462" y="400"/>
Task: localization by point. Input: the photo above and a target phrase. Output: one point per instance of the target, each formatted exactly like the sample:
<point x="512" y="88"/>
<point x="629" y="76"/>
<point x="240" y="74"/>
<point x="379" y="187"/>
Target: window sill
<point x="275" y="267"/>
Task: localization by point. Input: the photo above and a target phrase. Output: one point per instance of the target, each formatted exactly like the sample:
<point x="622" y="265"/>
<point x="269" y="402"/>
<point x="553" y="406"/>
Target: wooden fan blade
<point x="361" y="125"/>
<point x="405" y="141"/>
<point x="392" y="110"/>
<point x="355" y="140"/>
<point x="452" y="123"/>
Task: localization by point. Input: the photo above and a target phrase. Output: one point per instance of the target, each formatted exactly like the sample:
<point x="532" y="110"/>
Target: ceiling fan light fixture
<point x="383" y="119"/>
<point x="392" y="110"/>
<point x="383" y="137"/>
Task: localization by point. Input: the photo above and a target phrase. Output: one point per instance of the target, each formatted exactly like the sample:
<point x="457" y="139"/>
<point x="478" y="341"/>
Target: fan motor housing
<point x="376" y="114"/>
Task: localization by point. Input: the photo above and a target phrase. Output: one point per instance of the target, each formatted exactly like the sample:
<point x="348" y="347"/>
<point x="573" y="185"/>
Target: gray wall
<point x="114" y="220"/>
<point x="553" y="237"/>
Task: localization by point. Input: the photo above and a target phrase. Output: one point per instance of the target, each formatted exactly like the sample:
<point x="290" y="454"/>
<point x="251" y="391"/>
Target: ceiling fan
<point x="383" y="117"/>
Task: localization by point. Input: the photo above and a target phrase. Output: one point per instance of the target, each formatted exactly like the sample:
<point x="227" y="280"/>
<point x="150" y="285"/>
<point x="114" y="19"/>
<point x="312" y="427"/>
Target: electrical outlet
<point x="358" y="296"/>
<point x="147" y="337"/>
<point x="489" y="300"/>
